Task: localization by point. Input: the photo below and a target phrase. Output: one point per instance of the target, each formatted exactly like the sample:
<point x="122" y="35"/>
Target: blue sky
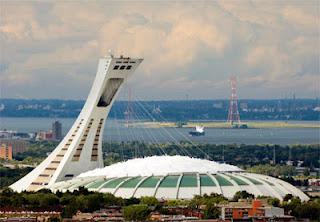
<point x="50" y="49"/>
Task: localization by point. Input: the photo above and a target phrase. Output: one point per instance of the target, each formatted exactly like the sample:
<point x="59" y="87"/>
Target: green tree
<point x="70" y="209"/>
<point x="288" y="197"/>
<point x="211" y="211"/>
<point x="310" y="210"/>
<point x="242" y="195"/>
<point x="48" y="200"/>
<point x="274" y="202"/>
<point x="136" y="212"/>
<point x="131" y="201"/>
<point x="176" y="202"/>
<point x="291" y="205"/>
<point x="213" y="198"/>
<point x="150" y="201"/>
<point x="306" y="172"/>
<point x="111" y="200"/>
<point x="94" y="202"/>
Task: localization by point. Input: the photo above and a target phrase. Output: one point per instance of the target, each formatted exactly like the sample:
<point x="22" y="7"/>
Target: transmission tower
<point x="233" y="114"/>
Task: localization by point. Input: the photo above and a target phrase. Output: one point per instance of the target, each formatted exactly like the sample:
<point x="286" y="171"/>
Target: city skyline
<point x="189" y="48"/>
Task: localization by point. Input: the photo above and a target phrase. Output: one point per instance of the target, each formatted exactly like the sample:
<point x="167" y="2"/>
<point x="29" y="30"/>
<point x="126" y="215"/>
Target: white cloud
<point x="193" y="46"/>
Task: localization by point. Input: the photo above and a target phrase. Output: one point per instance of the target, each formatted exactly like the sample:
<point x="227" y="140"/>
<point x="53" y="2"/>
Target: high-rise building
<point x="44" y="135"/>
<point x="18" y="146"/>
<point x="56" y="130"/>
<point x="6" y="152"/>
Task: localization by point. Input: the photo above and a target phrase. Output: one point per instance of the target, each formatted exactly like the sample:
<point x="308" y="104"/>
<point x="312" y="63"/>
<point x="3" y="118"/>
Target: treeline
<point x="9" y="176"/>
<point x="174" y="110"/>
<point x="254" y="158"/>
<point x="240" y="155"/>
<point x="86" y="201"/>
<point x="36" y="151"/>
<point x="135" y="209"/>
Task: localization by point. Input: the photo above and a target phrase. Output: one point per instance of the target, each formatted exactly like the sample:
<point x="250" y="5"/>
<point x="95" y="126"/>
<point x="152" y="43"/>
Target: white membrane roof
<point x="160" y="165"/>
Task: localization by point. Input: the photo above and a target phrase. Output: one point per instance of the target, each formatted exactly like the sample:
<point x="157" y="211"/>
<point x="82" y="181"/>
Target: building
<point x="177" y="177"/>
<point x="9" y="134"/>
<point x="44" y="135"/>
<point x="172" y="218"/>
<point x="252" y="211"/>
<point x="81" y="149"/>
<point x="28" y="215"/>
<point x="6" y="151"/>
<point x="18" y="146"/>
<point x="110" y="214"/>
<point x="56" y="130"/>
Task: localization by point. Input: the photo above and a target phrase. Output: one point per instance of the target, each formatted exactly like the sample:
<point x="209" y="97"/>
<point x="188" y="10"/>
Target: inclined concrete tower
<point x="81" y="148"/>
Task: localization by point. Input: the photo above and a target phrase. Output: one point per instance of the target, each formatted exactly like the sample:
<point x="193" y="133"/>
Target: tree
<point x="69" y="210"/>
<point x="7" y="192"/>
<point x="131" y="201"/>
<point x="211" y="212"/>
<point x="310" y="210"/>
<point x="111" y="200"/>
<point x="150" y="201"/>
<point x="242" y="195"/>
<point x="54" y="219"/>
<point x="176" y="202"/>
<point x="94" y="202"/>
<point x="291" y="206"/>
<point x="82" y="190"/>
<point x="136" y="212"/>
<point x="47" y="200"/>
<point x="213" y="198"/>
<point x="287" y="197"/>
<point x="274" y="202"/>
<point x="306" y="172"/>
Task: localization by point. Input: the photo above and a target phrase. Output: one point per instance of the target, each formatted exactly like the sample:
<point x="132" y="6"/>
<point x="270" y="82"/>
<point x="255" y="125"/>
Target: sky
<point x="50" y="49"/>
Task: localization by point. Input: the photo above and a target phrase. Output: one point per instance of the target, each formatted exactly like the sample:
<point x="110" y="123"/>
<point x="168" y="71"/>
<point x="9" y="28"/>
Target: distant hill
<point x="175" y="110"/>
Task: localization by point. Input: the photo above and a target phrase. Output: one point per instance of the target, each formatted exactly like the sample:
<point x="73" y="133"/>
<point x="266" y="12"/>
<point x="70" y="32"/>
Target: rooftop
<point x="161" y="165"/>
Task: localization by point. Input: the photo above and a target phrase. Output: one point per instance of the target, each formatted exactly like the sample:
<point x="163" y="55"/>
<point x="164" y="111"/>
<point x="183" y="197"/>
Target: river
<point x="116" y="131"/>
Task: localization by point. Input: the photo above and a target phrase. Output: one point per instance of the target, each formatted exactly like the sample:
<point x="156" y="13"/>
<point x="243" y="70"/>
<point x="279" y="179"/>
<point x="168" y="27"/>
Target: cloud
<point x="189" y="47"/>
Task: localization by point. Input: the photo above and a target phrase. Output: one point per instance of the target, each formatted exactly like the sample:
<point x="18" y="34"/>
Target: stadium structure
<point x="77" y="161"/>
<point x="177" y="177"/>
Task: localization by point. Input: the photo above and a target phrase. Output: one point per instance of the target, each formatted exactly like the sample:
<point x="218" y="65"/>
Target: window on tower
<point x="109" y="91"/>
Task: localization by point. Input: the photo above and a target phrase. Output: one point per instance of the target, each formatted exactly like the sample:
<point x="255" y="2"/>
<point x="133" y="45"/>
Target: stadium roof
<point x="160" y="165"/>
<point x="177" y="177"/>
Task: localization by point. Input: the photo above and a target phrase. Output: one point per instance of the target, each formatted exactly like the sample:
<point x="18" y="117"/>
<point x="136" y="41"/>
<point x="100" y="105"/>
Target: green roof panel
<point x="271" y="184"/>
<point x="255" y="182"/>
<point x="206" y="181"/>
<point x="189" y="181"/>
<point x="131" y="183"/>
<point x="222" y="181"/>
<point x="96" y="184"/>
<point x="150" y="182"/>
<point x="169" y="181"/>
<point x="114" y="183"/>
<point x="237" y="180"/>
